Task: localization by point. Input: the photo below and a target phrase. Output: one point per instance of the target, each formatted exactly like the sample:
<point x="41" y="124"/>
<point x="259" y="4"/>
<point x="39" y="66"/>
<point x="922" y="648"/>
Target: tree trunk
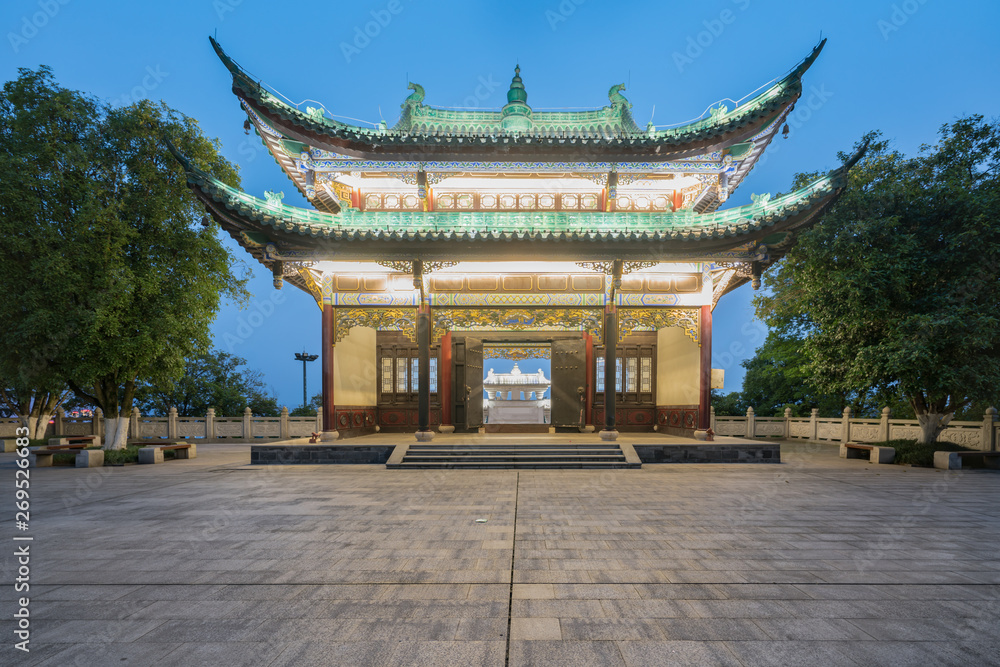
<point x="115" y="432"/>
<point x="31" y="422"/>
<point x="42" y="425"/>
<point x="931" y="425"/>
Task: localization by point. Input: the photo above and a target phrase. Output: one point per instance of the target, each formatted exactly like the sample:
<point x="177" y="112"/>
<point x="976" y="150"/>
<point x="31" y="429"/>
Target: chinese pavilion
<point x="575" y="235"/>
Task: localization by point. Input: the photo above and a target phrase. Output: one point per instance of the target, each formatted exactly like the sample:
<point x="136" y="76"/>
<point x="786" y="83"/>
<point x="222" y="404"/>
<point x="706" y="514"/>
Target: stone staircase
<point x="601" y="455"/>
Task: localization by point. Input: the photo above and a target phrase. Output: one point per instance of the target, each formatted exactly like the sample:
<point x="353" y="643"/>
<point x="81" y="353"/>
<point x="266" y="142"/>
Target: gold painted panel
<point x="659" y="283"/>
<point x="687" y="283"/>
<point x="484" y="283"/>
<point x="447" y="283"/>
<point x="553" y="283"/>
<point x="585" y="283"/>
<point x="517" y="283"/>
<point x="348" y="283"/>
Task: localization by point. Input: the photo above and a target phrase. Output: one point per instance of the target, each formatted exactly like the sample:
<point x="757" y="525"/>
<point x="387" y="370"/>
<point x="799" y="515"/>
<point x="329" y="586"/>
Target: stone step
<point x="529" y="465"/>
<point x="515" y="457"/>
<point x="517" y="450"/>
<point x="497" y="455"/>
<point x="554" y="448"/>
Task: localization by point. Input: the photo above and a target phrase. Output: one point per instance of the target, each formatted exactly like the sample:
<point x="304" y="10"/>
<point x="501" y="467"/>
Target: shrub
<point x="909" y="451"/>
<point x="121" y="456"/>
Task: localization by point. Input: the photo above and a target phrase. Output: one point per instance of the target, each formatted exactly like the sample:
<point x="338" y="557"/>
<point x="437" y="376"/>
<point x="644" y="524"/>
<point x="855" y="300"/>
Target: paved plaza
<point x="211" y="561"/>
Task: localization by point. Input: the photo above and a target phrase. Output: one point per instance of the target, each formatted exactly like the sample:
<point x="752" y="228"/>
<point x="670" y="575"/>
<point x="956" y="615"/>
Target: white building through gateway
<point x="517" y="398"/>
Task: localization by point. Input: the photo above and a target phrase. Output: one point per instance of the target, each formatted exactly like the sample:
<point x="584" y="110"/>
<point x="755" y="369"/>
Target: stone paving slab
<point x="211" y="561"/>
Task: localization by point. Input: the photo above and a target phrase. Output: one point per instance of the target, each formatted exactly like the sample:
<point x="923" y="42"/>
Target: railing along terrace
<point x="209" y="428"/>
<point x="983" y="435"/>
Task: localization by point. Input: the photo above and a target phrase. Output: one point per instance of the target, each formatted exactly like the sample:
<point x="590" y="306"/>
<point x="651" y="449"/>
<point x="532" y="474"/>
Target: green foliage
<point x="920" y="454"/>
<point x="895" y="292"/>
<point x="778" y="377"/>
<point x="214" y="379"/>
<point x="311" y="410"/>
<point x="728" y="405"/>
<point x="116" y="276"/>
<point x="129" y="454"/>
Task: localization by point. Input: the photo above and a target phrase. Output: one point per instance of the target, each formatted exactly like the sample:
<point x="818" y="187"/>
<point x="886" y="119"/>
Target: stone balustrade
<point x="210" y="428"/>
<point x="983" y="435"/>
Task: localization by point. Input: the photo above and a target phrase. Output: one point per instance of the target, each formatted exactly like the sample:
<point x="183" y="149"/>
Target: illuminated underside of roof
<point x="274" y="233"/>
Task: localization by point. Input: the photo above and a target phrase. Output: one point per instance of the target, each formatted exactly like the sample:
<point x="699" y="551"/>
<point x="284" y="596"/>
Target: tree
<point x="896" y="290"/>
<point x="777" y="377"/>
<point x="311" y="410"/>
<point x="45" y="132"/>
<point x="116" y="280"/>
<point x="728" y="405"/>
<point x="33" y="407"/>
<point x="216" y="380"/>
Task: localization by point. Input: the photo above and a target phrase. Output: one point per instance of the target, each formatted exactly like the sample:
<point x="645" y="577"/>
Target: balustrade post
<point x="883" y="426"/>
<point x="284" y="429"/>
<point x="814" y="425"/>
<point x="845" y="429"/>
<point x="711" y="412"/>
<point x="210" y="425"/>
<point x="133" y="423"/>
<point x="751" y="423"/>
<point x="989" y="431"/>
<point x="172" y="424"/>
<point x="97" y="424"/>
<point x="247" y="424"/>
<point x="60" y="415"/>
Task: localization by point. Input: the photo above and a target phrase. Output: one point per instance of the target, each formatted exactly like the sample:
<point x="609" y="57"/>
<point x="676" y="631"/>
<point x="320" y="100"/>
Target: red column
<point x="444" y="377"/>
<point x="589" y="394"/>
<point x="329" y="423"/>
<point x="423" y="368"/>
<point x="610" y="375"/>
<point x="704" y="418"/>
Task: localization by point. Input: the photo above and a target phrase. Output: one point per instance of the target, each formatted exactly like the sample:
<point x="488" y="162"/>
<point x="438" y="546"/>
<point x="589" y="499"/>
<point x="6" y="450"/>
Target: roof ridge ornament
<point x="416" y="98"/>
<point x="616" y="97"/>
<point x="516" y="114"/>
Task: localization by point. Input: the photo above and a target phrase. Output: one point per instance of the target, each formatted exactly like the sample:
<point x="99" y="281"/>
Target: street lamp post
<point x="305" y="358"/>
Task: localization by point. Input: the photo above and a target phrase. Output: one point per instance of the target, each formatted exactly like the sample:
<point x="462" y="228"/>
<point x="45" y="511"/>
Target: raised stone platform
<point x="470" y="450"/>
<point x="291" y="454"/>
<point x="709" y="453"/>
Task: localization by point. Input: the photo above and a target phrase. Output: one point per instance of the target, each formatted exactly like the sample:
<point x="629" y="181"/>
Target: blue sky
<point x="903" y="67"/>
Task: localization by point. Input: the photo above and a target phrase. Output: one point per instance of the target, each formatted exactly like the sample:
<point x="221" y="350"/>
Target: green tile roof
<point x="682" y="226"/>
<point x="422" y="125"/>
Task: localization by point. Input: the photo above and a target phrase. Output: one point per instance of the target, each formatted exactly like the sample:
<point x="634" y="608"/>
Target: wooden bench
<point x="953" y="460"/>
<point x="85" y="458"/>
<point x="74" y="440"/>
<point x="154" y="453"/>
<point x="872" y="453"/>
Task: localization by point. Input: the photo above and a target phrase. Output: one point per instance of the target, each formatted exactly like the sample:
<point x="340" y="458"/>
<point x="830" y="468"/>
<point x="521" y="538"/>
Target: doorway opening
<point x="517" y="384"/>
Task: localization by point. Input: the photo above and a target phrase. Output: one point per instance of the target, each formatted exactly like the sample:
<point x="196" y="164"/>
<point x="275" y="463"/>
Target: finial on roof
<point x="517" y="93"/>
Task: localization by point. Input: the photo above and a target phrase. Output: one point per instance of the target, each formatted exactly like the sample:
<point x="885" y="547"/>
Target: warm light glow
<point x="660" y="185"/>
<point x="494" y="268"/>
<point x="516" y="185"/>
